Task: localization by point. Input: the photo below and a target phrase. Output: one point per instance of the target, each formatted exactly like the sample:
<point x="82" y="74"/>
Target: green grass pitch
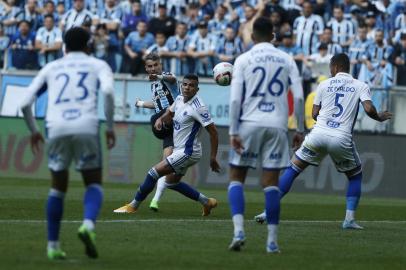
<point x="177" y="237"/>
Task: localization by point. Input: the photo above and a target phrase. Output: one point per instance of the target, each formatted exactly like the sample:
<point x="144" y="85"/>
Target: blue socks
<point x="236" y="198"/>
<point x="287" y="178"/>
<point x="148" y="186"/>
<point x="354" y="191"/>
<point x="186" y="190"/>
<point x="92" y="201"/>
<point x="54" y="213"/>
<point x="272" y="204"/>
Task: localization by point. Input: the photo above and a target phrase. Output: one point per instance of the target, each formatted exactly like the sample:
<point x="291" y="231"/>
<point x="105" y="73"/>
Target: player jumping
<point x="73" y="132"/>
<point x="335" y="109"/>
<point x="188" y="114"/>
<point x="258" y="126"/>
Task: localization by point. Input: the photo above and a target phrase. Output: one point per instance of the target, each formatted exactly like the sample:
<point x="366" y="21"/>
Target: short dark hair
<point x="192" y="76"/>
<point x="338" y="6"/>
<point x="263" y="28"/>
<point x="26" y="22"/>
<point x="76" y="39"/>
<point x="342" y="61"/>
<point x="49" y="16"/>
<point x="153" y="57"/>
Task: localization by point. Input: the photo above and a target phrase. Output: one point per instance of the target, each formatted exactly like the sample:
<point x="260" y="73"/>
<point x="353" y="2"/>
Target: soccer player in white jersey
<point x="72" y="128"/>
<point x="188" y="115"/>
<point x="335" y="109"/>
<point x="258" y="125"/>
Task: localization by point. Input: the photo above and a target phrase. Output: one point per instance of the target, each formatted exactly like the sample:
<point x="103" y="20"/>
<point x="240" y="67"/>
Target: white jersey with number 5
<point x="259" y="88"/>
<point x="72" y="83"/>
<point x="339" y="98"/>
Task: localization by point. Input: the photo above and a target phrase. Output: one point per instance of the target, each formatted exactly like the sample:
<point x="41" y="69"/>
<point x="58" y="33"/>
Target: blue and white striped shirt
<point x="204" y="66"/>
<point x="230" y="47"/>
<point x="400" y="22"/>
<point x="342" y="31"/>
<point x="48" y="38"/>
<point x="176" y="44"/>
<point x="307" y="31"/>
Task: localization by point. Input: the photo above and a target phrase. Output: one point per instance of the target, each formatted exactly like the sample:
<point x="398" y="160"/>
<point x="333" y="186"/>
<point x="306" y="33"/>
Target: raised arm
<point x="371" y="111"/>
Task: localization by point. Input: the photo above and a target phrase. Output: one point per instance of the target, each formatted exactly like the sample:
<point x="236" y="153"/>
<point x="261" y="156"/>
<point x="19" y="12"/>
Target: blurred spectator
<point x="343" y="30"/>
<point x="31" y="15"/>
<point x="60" y="11"/>
<point x="399" y="59"/>
<point x="101" y="42"/>
<point x="177" y="50"/>
<point x="277" y="23"/>
<point x="77" y="16"/>
<point x="219" y="23"/>
<point x="10" y="19"/>
<point x="159" y="48"/>
<point x="377" y="70"/>
<point x="202" y="48"/>
<point x="274" y="6"/>
<point x="150" y="7"/>
<point x="370" y="21"/>
<point x="23" y="50"/>
<point x="321" y="57"/>
<point x="162" y="23"/>
<point x="358" y="49"/>
<point x="130" y="20"/>
<point x="49" y="9"/>
<point x="206" y="10"/>
<point x="192" y="19"/>
<point x="135" y="46"/>
<point x="307" y="28"/>
<point x="292" y="49"/>
<point x="111" y="17"/>
<point x="177" y="9"/>
<point x="94" y="6"/>
<point x="246" y="27"/>
<point x="400" y="21"/>
<point x="48" y="41"/>
<point x="292" y="9"/>
<point x="327" y="38"/>
<point x="4" y="43"/>
<point x="229" y="46"/>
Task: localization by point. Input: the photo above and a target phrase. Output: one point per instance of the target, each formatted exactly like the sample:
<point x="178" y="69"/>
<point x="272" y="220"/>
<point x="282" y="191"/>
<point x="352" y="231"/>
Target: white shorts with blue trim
<point x="265" y="145"/>
<point x="342" y="151"/>
<point x="84" y="149"/>
<point x="180" y="162"/>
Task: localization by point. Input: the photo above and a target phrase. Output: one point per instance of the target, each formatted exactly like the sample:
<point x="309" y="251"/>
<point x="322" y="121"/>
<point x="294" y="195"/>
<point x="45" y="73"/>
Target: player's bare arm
<point x="315" y="111"/>
<point x="214" y="142"/>
<point x="370" y="110"/>
<point x="165" y="119"/>
<point x="144" y="104"/>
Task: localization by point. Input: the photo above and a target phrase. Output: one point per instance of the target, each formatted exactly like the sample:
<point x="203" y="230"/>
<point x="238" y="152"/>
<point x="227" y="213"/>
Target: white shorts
<point x="180" y="162"/>
<point x="341" y="150"/>
<point x="84" y="149"/>
<point x="269" y="146"/>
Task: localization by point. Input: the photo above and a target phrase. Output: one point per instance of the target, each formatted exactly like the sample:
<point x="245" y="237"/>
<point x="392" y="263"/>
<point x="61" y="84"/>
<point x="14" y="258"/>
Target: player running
<point x="72" y="128"/>
<point x="335" y="109"/>
<point x="164" y="89"/>
<point x="258" y="126"/>
<point x="188" y="114"/>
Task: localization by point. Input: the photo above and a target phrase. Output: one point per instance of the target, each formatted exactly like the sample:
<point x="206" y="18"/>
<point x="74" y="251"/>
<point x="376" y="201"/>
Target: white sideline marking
<point x="2" y="221"/>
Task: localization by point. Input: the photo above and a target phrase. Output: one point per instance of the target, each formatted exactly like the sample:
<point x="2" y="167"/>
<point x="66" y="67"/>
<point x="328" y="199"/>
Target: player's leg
<point x="272" y="207"/>
<point x="161" y="169"/>
<point x="60" y="155"/>
<point x="54" y="210"/>
<point x="92" y="203"/>
<point x="346" y="158"/>
<point x="237" y="205"/>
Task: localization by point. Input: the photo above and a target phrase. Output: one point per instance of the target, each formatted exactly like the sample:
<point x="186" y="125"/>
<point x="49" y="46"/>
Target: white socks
<point x="272" y="234"/>
<point x="203" y="199"/>
<point x="160" y="188"/>
<point x="238" y="221"/>
<point x="89" y="224"/>
<point x="53" y="245"/>
<point x="349" y="215"/>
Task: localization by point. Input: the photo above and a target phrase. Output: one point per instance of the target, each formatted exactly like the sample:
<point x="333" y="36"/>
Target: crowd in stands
<point x="194" y="35"/>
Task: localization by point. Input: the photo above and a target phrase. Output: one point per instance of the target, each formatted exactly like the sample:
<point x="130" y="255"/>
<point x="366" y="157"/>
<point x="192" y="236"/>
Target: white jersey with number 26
<point x="72" y="83"/>
<point x="259" y="88"/>
<point x="339" y="98"/>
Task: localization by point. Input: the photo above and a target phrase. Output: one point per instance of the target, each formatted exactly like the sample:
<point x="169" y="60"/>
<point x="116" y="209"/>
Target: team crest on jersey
<point x="176" y="125"/>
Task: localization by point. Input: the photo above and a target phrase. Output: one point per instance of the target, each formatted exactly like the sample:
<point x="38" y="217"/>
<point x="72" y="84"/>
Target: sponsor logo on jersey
<point x="266" y="106"/>
<point x="176" y="125"/>
<point x="275" y="156"/>
<point x="71" y="114"/>
<point x="333" y="124"/>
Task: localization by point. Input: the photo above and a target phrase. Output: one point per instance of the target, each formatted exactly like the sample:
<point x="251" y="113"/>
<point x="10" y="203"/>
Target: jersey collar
<point x="343" y="74"/>
<point x="191" y="100"/>
<point x="76" y="54"/>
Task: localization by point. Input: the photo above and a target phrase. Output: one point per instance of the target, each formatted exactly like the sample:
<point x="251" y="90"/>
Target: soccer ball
<point x="222" y="73"/>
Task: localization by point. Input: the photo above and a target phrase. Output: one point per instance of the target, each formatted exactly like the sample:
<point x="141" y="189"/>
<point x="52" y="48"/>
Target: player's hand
<point x="137" y="102"/>
<point x="214" y="165"/>
<point x="36" y="141"/>
<point x="110" y="139"/>
<point x="236" y="144"/>
<point x="298" y="138"/>
<point x="158" y="124"/>
<point x="153" y="77"/>
<point x="385" y="116"/>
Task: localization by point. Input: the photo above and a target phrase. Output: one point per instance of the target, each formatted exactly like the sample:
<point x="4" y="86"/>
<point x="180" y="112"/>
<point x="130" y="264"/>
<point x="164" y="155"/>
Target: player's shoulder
<point x="197" y="103"/>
